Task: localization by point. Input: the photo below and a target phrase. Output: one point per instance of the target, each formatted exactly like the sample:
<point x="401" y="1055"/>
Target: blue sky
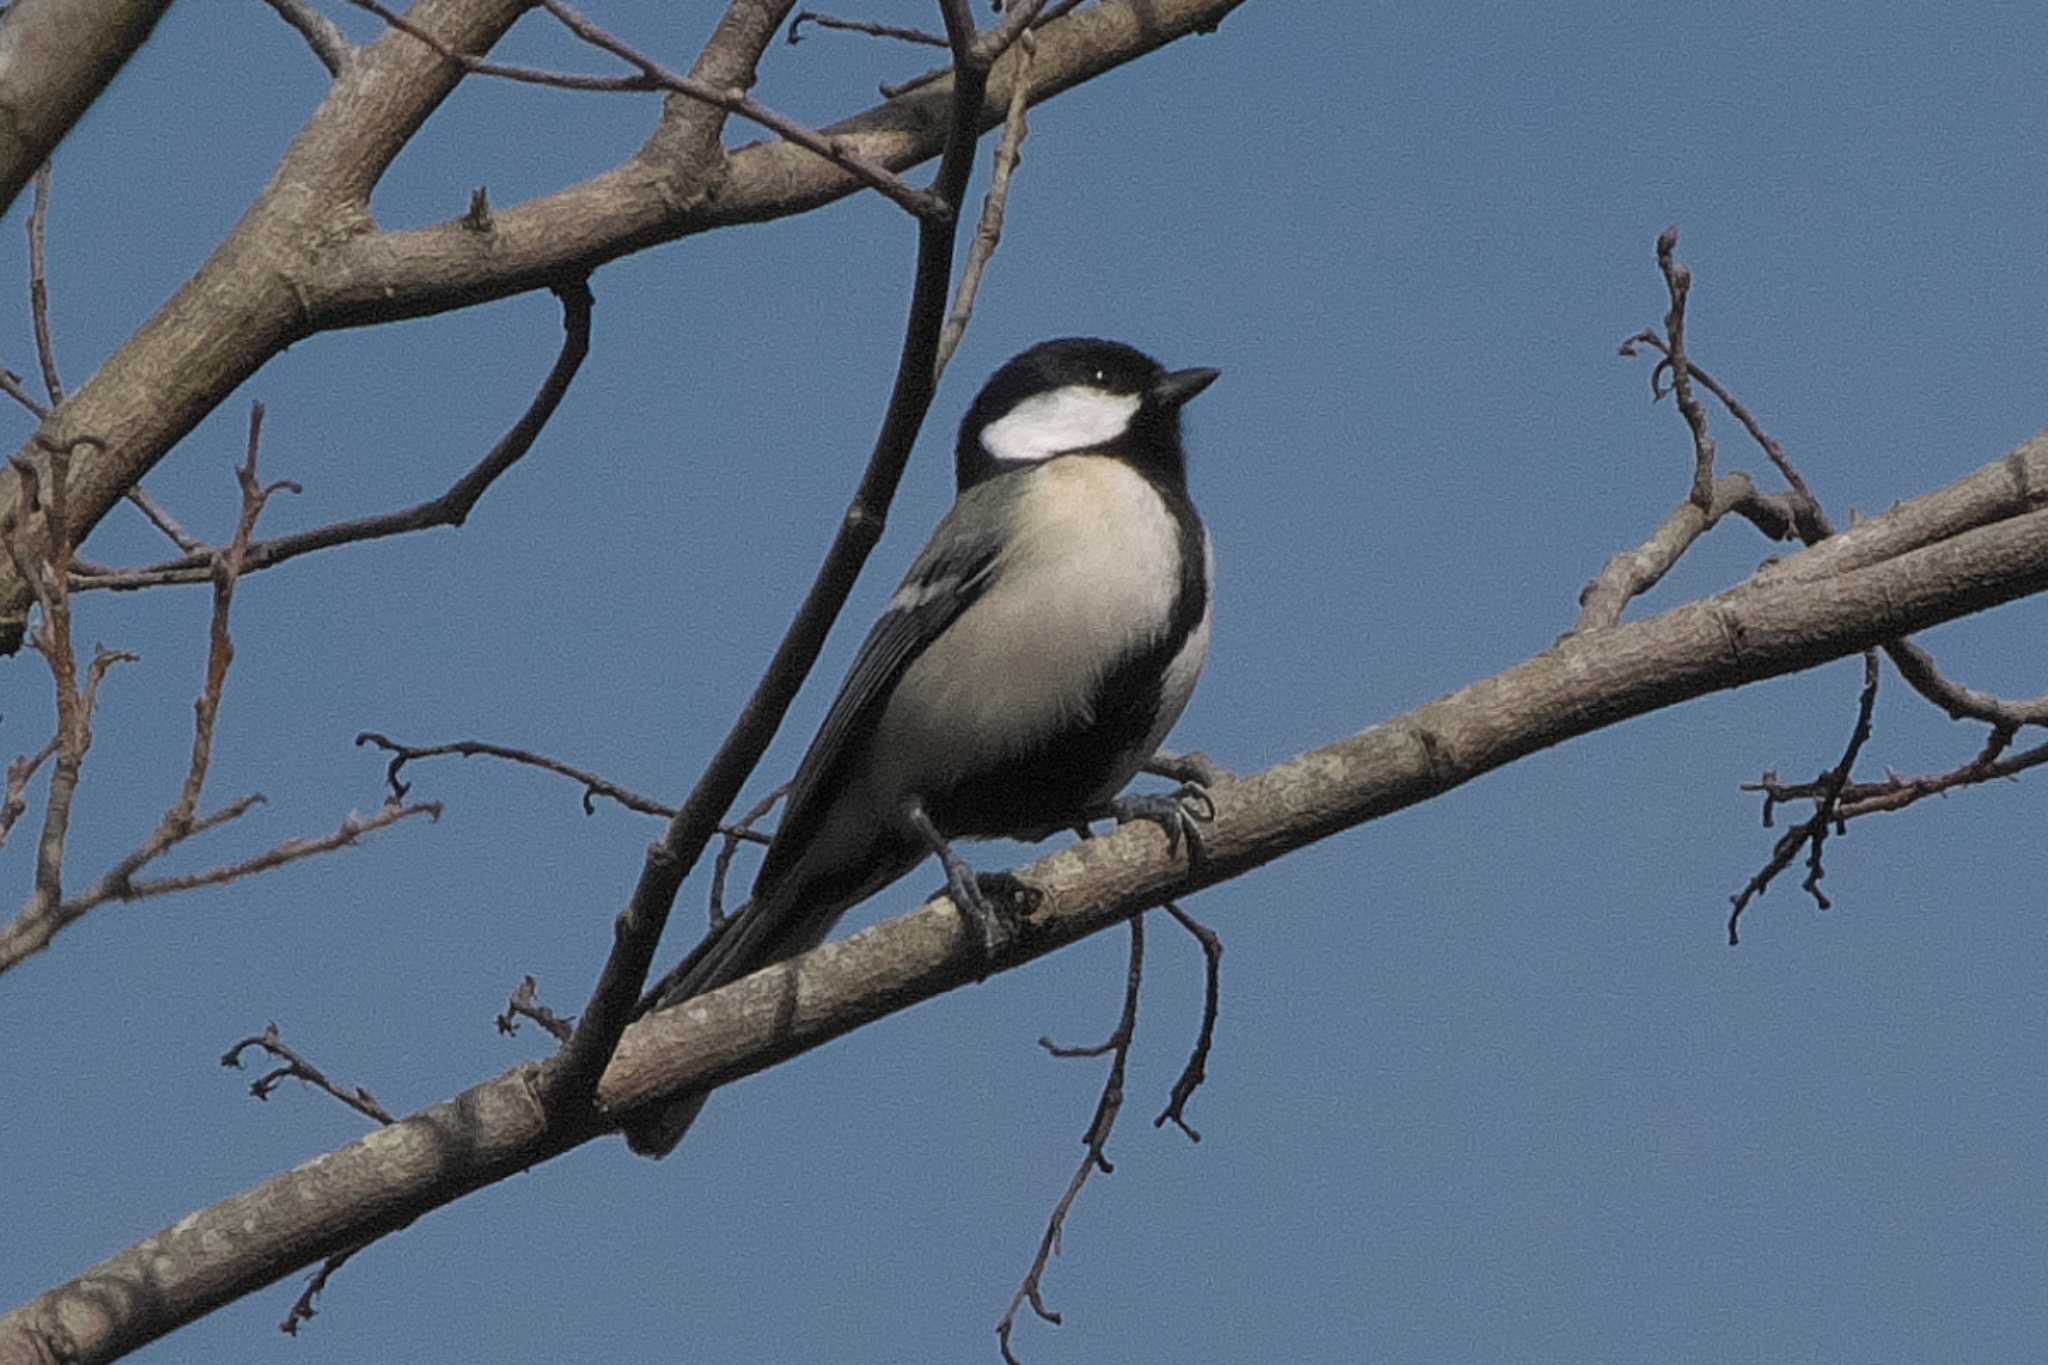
<point x="1488" y="1082"/>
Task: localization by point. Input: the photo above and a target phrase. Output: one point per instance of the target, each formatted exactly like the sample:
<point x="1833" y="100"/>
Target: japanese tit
<point x="1034" y="657"/>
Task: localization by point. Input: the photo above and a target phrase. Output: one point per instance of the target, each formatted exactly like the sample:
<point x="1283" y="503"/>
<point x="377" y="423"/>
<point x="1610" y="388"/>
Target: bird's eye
<point x="1100" y="376"/>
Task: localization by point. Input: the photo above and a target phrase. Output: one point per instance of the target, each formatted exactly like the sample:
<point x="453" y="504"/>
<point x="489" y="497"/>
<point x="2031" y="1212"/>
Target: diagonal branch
<point x="638" y="929"/>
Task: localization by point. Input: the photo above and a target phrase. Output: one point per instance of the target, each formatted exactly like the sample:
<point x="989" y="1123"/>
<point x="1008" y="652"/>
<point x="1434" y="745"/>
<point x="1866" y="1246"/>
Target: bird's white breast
<point x="1092" y="565"/>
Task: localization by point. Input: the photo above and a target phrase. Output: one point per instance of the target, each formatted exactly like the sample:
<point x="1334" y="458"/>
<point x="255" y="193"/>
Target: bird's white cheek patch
<point x="1073" y="418"/>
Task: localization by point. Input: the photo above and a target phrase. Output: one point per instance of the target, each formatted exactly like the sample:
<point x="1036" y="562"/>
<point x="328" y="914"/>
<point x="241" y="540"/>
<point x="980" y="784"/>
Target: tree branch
<point x="322" y="35"/>
<point x="59" y="56"/>
<point x="638" y="929"/>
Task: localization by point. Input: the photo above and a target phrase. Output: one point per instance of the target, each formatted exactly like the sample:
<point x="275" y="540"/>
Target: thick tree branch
<point x="56" y="56"/>
<point x="1774" y="624"/>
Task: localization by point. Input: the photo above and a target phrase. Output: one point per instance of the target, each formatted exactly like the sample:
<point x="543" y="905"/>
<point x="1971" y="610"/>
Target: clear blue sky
<point x="1489" y="1085"/>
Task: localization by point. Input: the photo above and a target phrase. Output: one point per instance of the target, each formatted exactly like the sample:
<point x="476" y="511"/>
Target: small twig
<point x="1197" y="1069"/>
<point x="1812" y="834"/>
<point x="1118" y="1045"/>
<point x="302" y="1309"/>
<point x="908" y="35"/>
<point x="39" y="287"/>
<point x="452" y="508"/>
<point x="358" y="1099"/>
<point x="334" y="50"/>
<point x="165" y="522"/>
<point x="526" y="1001"/>
<point x="13" y="799"/>
<point x="290" y="851"/>
<point x="991" y="45"/>
<point x="1678" y="281"/>
<point x="1918" y="668"/>
<point x="593" y="785"/>
<point x="10" y="384"/>
<point x="1631" y="573"/>
<point x="1809" y="518"/>
<point x="1858" y="799"/>
<point x="45" y="569"/>
<point x="182" y="820"/>
<point x="988" y="233"/>
<point x="731" y="838"/>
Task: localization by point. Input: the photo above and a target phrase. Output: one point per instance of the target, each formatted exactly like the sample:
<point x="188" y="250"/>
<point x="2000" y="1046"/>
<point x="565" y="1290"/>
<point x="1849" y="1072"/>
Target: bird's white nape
<point x="1074" y="417"/>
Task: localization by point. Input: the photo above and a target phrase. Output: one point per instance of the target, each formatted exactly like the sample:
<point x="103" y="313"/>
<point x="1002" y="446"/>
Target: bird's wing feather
<point x="948" y="577"/>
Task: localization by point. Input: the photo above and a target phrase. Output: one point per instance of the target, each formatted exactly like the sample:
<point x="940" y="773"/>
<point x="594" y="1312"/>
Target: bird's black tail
<point x="727" y="953"/>
<point x="793" y="918"/>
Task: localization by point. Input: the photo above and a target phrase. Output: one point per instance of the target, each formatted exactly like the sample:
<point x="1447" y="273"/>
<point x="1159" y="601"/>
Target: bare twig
<point x="333" y="49"/>
<point x="1896" y="792"/>
<point x="729" y="844"/>
<point x="526" y="1001"/>
<point x="1809" y="518"/>
<point x="1118" y="1045"/>
<point x="10" y="384"/>
<point x="348" y="834"/>
<point x="1917" y="667"/>
<point x="990" y="45"/>
<point x="45" y="568"/>
<point x="1631" y="573"/>
<point x="302" y="1309"/>
<point x="593" y="785"/>
<point x="272" y="1042"/>
<point x="13" y="800"/>
<point x="179" y="822"/>
<point x="1678" y="281"/>
<point x="1197" y="1069"/>
<point x="1812" y="834"/>
<point x="165" y="522"/>
<point x="39" y="287"/>
<point x="452" y="508"/>
<point x="988" y="233"/>
<point x="654" y="76"/>
<point x="616" y="998"/>
<point x="908" y="35"/>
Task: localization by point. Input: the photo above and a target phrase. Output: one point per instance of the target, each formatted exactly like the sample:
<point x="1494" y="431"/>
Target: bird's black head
<point x="1077" y="394"/>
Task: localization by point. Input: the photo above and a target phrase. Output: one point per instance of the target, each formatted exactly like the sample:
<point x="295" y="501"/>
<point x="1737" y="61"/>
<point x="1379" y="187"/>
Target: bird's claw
<point x="991" y="903"/>
<point x="1179" y="813"/>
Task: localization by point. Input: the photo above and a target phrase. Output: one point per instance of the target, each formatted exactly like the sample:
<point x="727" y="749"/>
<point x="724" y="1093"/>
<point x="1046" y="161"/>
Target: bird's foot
<point x="1179" y="813"/>
<point x="992" y="904"/>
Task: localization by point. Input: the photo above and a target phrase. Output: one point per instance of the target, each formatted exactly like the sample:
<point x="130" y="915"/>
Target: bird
<point x="1033" y="658"/>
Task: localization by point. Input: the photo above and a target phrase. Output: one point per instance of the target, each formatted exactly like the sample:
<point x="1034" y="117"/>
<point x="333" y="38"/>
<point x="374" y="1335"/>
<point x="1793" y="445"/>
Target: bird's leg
<point x="1180" y="813"/>
<point x="962" y="883"/>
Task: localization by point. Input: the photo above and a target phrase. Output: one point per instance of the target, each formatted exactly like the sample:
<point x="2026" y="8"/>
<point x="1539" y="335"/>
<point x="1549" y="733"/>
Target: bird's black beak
<point x="1177" y="387"/>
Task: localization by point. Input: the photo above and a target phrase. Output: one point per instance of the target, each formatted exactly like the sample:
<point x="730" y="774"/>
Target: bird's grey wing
<point x="949" y="576"/>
